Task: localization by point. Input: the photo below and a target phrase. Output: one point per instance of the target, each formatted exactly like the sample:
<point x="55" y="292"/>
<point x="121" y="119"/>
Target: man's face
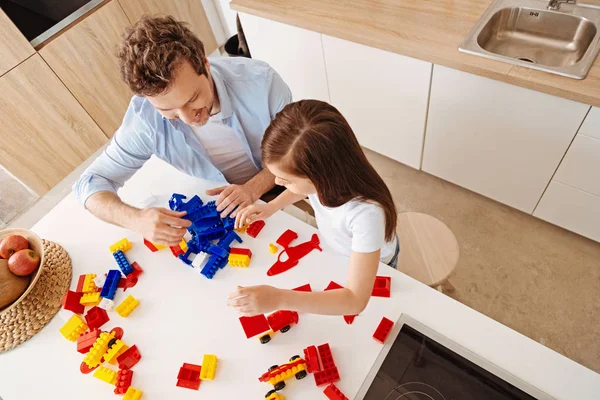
<point x="190" y="97"/>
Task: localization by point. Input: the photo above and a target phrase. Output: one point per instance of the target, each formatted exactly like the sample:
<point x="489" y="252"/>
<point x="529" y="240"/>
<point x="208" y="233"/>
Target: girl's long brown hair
<point x="312" y="139"/>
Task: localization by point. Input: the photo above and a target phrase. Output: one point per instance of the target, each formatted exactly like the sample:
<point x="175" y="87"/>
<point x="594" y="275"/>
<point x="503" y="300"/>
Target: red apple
<point x="11" y="244"/>
<point x="23" y="262"/>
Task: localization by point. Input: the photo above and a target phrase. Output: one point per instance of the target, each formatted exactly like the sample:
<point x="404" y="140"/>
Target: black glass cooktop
<point x="419" y="368"/>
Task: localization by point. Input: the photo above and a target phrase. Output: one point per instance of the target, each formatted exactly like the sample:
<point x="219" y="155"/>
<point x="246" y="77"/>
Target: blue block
<point x="122" y="262"/>
<point x="228" y="223"/>
<point x="213" y="264"/>
<point x="110" y="285"/>
<point x="225" y="243"/>
<point x="210" y="234"/>
<point x="216" y="250"/>
<point x="192" y="205"/>
<point x="201" y="213"/>
<point x="204" y="223"/>
<point x="176" y="201"/>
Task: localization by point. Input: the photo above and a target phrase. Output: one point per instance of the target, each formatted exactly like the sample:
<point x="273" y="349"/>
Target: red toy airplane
<point x="294" y="254"/>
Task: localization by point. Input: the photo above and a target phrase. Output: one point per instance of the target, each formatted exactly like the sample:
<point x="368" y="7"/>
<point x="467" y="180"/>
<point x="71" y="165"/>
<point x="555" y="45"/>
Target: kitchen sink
<point x="556" y="37"/>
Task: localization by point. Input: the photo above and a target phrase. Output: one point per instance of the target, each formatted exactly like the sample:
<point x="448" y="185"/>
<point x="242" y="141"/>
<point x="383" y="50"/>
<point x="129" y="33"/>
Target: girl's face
<point x="295" y="184"/>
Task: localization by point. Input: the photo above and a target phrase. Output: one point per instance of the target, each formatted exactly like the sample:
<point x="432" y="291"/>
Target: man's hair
<point x="151" y="51"/>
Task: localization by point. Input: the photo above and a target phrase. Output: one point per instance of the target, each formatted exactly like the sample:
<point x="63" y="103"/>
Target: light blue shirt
<point x="250" y="93"/>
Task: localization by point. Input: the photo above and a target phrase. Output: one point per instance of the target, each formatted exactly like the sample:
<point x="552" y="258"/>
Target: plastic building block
<point x="382" y="286"/>
<point x="127" y="306"/>
<point x="383" y="330"/>
<point x="277" y="374"/>
<point x="189" y="376"/>
<point x="213" y="264"/>
<point x="176" y="250"/>
<point x="333" y="285"/>
<point x="122" y="262"/>
<point x="282" y="319"/>
<point x="303" y="288"/>
<point x="286" y="238"/>
<point x="137" y="270"/>
<point x="100" y="280"/>
<point x="294" y="255"/>
<point x="132" y="394"/>
<point x="333" y="393"/>
<point x="200" y="259"/>
<point x="239" y="260"/>
<point x="80" y="283"/>
<point x="86" y="341"/>
<point x="325" y="356"/>
<point x="124" y="378"/>
<point x="106" y="374"/>
<point x="242" y="229"/>
<point x="242" y="251"/>
<point x="94" y="356"/>
<point x="110" y="286"/>
<point x="209" y="367"/>
<point x="330" y="375"/>
<point x="129" y="358"/>
<point x="88" y="284"/>
<point x="183" y="245"/>
<point x="312" y="359"/>
<point x="107" y="304"/>
<point x="229" y="223"/>
<point x="73" y="328"/>
<point x="83" y="367"/>
<point x="118" y="332"/>
<point x="350" y="318"/>
<point x="216" y="250"/>
<point x="225" y="242"/>
<point x="254" y="325"/>
<point x="154" y="247"/>
<point x="124" y="245"/>
<point x="211" y="234"/>
<point x="96" y="317"/>
<point x="273" y="249"/>
<point x="128" y="282"/>
<point x="115" y="351"/>
<point x="176" y="202"/>
<point x="71" y="302"/>
<point x="254" y="228"/>
<point x="273" y="395"/>
<point x="90" y="299"/>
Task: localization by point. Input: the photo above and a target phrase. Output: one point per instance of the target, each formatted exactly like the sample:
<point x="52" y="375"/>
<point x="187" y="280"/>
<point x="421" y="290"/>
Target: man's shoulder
<point x="241" y="69"/>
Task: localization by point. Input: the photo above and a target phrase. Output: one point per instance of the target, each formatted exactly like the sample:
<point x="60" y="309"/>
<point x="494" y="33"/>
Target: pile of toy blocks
<point x="102" y="347"/>
<point x="211" y="236"/>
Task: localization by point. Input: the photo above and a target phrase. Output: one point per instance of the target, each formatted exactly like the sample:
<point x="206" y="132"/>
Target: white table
<point x="183" y="315"/>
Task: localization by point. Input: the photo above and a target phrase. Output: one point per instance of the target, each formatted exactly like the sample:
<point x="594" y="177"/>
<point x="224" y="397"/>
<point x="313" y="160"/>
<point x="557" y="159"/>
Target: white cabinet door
<point x="591" y="125"/>
<point x="295" y="53"/>
<point x="581" y="166"/>
<point x="496" y="139"/>
<point x="572" y="209"/>
<point x="383" y="96"/>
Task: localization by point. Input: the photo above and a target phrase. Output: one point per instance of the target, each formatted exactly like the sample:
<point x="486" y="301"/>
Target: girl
<point x="312" y="151"/>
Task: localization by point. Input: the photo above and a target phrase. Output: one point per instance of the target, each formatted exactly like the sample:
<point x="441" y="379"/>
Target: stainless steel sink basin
<point x="527" y="33"/>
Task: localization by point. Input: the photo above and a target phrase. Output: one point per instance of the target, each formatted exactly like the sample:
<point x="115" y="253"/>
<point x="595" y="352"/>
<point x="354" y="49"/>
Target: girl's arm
<point x="263" y="211"/>
<point x="347" y="301"/>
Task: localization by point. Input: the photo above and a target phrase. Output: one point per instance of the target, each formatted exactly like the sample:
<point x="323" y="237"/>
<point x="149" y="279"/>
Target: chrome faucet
<point x="555" y="4"/>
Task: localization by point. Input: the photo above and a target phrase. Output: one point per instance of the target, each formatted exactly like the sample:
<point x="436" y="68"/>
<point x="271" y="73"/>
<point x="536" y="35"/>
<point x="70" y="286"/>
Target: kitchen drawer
<point x="581" y="166"/>
<point x="572" y="209"/>
<point x="591" y="125"/>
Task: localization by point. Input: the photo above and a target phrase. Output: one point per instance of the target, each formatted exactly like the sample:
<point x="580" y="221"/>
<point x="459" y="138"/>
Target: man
<point x="205" y="118"/>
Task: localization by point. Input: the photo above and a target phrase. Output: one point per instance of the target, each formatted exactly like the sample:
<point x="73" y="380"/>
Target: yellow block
<point x="88" y="284"/>
<point x="106" y="374"/>
<point x="273" y="249"/>
<point x="127" y="306"/>
<point x="209" y="367"/>
<point x="242" y="229"/>
<point x="93" y="357"/>
<point x="124" y="245"/>
<point x="74" y="328"/>
<point x="132" y="394"/>
<point x="183" y="245"/>
<point x="239" y="260"/>
<point x="115" y="351"/>
<point x="90" y="299"/>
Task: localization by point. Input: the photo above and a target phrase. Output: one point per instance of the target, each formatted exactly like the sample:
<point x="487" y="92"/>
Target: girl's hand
<point x="254" y="212"/>
<point x="254" y="300"/>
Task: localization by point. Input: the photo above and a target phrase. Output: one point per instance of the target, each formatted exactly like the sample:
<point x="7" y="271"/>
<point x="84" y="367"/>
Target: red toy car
<point x="282" y="321"/>
<point x="277" y="374"/>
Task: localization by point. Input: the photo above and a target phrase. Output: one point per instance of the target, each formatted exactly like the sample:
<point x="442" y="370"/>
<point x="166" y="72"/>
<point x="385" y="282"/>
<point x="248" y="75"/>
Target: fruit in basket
<point x="11" y="244"/>
<point x="23" y="262"/>
<point x="11" y="285"/>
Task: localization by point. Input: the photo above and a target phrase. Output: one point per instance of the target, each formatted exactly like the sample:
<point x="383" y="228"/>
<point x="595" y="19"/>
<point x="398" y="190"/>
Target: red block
<point x="254" y="325"/>
<point x="85" y="369"/>
<point x="239" y="250"/>
<point x="383" y="330"/>
<point x="71" y="302"/>
<point x="382" y="286"/>
<point x="303" y="288"/>
<point x="326" y="356"/>
<point x="333" y="393"/>
<point x="286" y="238"/>
<point x="96" y="317"/>
<point x="86" y="341"/>
<point x="350" y="318"/>
<point x="129" y="358"/>
<point x="124" y="378"/>
<point x="176" y="250"/>
<point x="254" y="229"/>
<point x="326" y="376"/>
<point x="189" y="376"/>
<point x="118" y="332"/>
<point x="150" y="246"/>
<point x="128" y="282"/>
<point x="137" y="270"/>
<point x="80" y="283"/>
<point x="312" y="359"/>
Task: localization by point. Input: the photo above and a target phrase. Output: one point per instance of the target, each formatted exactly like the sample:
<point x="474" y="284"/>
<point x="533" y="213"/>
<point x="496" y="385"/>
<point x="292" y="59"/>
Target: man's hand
<point x="232" y="196"/>
<point x="255" y="300"/>
<point x="161" y="225"/>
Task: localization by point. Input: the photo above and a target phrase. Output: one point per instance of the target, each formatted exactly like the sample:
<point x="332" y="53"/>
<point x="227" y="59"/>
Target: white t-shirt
<point x="355" y="226"/>
<point x="225" y="150"/>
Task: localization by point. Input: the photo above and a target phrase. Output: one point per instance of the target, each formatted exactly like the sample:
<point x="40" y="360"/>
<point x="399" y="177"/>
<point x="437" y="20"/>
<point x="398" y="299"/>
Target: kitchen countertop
<point x="183" y="315"/>
<point x="428" y="30"/>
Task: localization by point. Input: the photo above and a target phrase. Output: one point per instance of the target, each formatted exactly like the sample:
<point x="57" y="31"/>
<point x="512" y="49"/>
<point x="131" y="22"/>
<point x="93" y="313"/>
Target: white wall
<point x="227" y="16"/>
